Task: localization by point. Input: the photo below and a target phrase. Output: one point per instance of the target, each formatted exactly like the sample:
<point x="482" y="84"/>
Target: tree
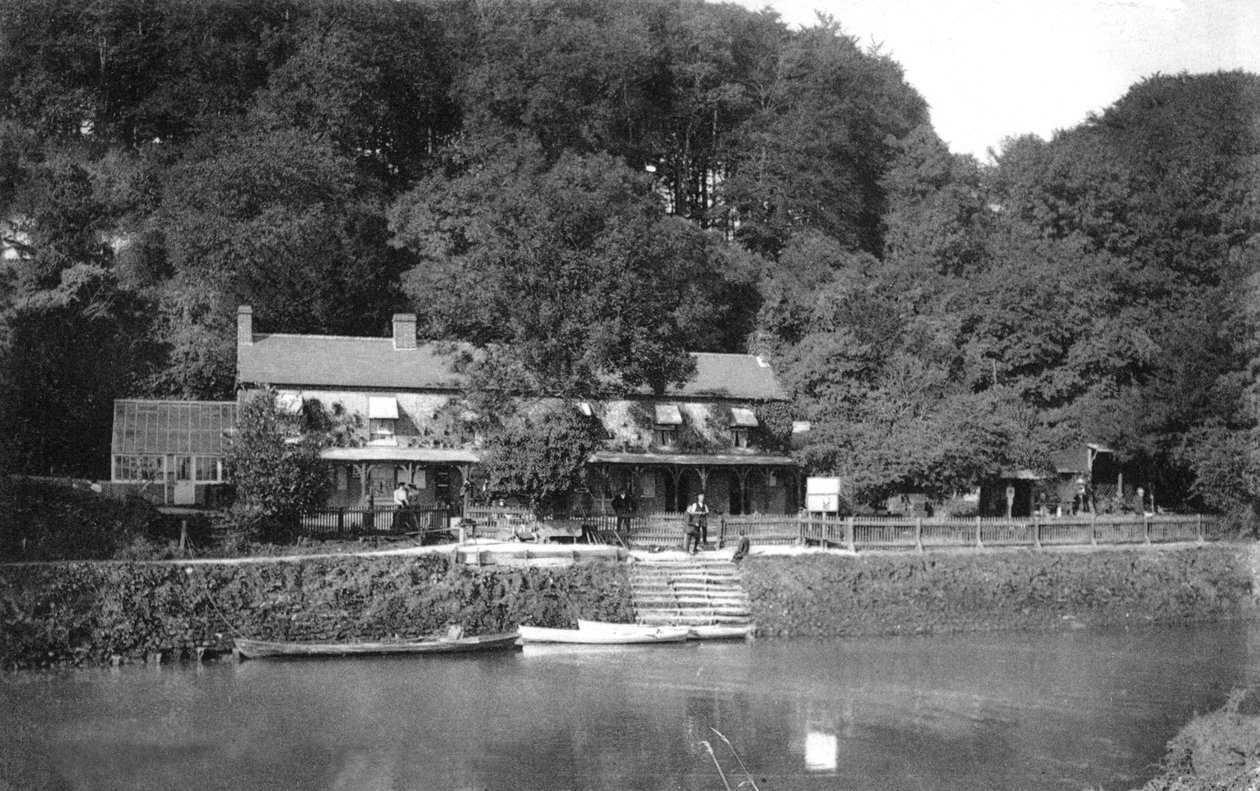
<point x="568" y="277"/>
<point x="272" y="218"/>
<point x="539" y="450"/>
<point x="814" y="154"/>
<point x="277" y="473"/>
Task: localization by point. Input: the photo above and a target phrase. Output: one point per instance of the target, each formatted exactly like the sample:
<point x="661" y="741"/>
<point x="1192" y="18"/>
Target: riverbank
<point x="828" y="595"/>
<point x="1219" y="751"/>
<point x="94" y="613"/>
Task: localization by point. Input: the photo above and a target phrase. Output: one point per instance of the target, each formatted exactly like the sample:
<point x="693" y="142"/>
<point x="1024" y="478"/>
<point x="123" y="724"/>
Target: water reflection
<point x="1005" y="710"/>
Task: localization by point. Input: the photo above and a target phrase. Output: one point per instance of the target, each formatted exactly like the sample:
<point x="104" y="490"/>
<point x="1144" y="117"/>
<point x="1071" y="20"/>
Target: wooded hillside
<point x="601" y="185"/>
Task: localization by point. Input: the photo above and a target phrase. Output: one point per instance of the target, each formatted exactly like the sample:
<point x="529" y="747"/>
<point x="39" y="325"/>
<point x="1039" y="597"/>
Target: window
<point x="382" y="419"/>
<point x="208" y="468"/>
<point x="382" y="431"/>
<point x="137" y="468"/>
<point x="183" y="468"/>
<point x="743" y="420"/>
<point x="668" y="419"/>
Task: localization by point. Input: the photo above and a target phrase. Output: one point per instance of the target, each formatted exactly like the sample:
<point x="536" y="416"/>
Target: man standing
<point x="623" y="507"/>
<point x="698" y="523"/>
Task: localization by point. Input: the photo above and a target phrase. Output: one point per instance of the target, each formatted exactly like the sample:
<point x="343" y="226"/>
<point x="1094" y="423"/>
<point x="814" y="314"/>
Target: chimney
<point x="244" y="326"/>
<point x="404" y="331"/>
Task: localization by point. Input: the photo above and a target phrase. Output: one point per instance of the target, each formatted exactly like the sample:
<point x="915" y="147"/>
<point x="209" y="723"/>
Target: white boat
<point x="538" y="634"/>
<point x="717" y="631"/>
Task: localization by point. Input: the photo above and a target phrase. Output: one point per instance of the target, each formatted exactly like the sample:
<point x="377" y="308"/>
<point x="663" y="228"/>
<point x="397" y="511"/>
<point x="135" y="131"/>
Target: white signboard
<point x="822" y="495"/>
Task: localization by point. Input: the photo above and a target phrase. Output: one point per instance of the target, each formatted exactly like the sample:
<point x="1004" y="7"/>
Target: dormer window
<point x="742" y="422"/>
<point x="665" y="430"/>
<point x="382" y="420"/>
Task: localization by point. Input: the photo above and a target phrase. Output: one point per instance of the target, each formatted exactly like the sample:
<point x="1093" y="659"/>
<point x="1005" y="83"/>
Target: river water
<point x="1010" y="710"/>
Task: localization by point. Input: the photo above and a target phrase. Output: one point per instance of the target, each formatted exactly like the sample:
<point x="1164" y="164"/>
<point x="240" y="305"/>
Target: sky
<point x="993" y="69"/>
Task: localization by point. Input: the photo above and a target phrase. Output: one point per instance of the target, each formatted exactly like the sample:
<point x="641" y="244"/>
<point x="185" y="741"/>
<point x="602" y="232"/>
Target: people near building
<point x="623" y="507"/>
<point x="401" y="495"/>
<point x="698" y="522"/>
<point x="741" y="548"/>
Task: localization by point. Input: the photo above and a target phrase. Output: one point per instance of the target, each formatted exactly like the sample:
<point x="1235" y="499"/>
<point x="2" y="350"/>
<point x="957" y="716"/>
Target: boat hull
<point x="537" y="634"/>
<point x="720" y="632"/>
<point x="270" y="649"/>
<point x="695" y="632"/>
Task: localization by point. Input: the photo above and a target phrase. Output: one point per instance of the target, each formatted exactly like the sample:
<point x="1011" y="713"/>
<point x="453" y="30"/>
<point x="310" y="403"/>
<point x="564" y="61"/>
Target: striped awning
<point x="743" y="418"/>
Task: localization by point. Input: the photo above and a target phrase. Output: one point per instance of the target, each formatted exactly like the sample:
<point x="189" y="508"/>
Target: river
<point x="1006" y="710"/>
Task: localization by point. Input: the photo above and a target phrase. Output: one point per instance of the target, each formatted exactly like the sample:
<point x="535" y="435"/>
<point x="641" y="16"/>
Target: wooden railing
<point x="387" y="521"/>
<point x="668" y="529"/>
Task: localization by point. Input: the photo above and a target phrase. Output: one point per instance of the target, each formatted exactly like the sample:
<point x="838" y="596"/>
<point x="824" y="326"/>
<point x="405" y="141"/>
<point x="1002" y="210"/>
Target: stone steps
<point x="690" y="591"/>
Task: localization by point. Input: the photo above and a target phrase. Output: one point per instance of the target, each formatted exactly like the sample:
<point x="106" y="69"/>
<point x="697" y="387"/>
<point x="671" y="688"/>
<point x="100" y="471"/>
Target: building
<point x="171" y="452"/>
<point x="396" y="405"/>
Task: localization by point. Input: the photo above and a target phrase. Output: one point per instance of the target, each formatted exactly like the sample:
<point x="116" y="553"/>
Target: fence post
<point x="918" y="533"/>
<point x="979" y="543"/>
<point x="341" y="520"/>
<point x="1198" y="527"/>
<point x="1036" y="526"/>
<point x="721" y="530"/>
<point x="1146" y="528"/>
<point x="848" y="533"/>
<point x="1093" y="528"/>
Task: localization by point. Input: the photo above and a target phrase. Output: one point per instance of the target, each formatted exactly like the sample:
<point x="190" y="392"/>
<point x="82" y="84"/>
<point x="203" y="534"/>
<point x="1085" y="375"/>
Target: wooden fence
<point x="382" y="522"/>
<point x="667" y="529"/>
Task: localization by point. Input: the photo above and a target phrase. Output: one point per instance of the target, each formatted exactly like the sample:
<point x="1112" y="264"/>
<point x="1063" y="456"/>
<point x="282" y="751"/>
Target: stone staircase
<point x="688" y="591"/>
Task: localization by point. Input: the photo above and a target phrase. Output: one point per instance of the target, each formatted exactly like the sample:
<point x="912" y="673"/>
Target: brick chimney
<point x="244" y="326"/>
<point x="404" y="331"/>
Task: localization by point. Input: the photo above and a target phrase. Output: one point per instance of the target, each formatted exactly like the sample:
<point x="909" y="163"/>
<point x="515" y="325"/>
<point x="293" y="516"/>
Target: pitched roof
<point x="339" y="361"/>
<point x="343" y="362"/>
<point x="194" y="428"/>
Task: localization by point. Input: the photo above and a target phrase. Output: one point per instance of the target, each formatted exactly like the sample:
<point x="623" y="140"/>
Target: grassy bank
<point x="1214" y="752"/>
<point x="96" y="613"/>
<point x="832" y="595"/>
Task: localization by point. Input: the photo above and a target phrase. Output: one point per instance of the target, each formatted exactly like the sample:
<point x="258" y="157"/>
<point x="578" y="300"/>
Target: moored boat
<point x="716" y="631"/>
<point x="720" y="631"/>
<point x="538" y="634"/>
<point x="261" y="649"/>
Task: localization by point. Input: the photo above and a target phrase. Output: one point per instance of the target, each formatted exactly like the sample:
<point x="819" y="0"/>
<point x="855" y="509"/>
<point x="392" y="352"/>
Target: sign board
<point x="822" y="495"/>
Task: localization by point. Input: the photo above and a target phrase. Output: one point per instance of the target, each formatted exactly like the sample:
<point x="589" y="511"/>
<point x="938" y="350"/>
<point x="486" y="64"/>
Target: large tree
<point x="568" y="276"/>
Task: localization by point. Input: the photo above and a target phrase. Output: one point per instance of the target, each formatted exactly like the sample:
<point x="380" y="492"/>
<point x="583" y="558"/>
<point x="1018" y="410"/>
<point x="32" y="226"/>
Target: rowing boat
<point x="715" y="631"/>
<point x="261" y="649"/>
<point x="538" y="634"/>
<point x="720" y="631"/>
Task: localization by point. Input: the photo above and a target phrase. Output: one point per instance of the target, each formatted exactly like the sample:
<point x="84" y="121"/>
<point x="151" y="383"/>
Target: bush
<point x="54" y="520"/>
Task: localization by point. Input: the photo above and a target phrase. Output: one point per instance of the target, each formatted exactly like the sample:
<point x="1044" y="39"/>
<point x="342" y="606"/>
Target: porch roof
<point x="377" y="453"/>
<point x="693" y="459"/>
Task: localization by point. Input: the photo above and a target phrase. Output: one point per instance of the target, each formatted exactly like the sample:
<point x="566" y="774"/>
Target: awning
<point x="668" y="415"/>
<point x="743" y="418"/>
<point x="373" y="454"/>
<point x="382" y="408"/>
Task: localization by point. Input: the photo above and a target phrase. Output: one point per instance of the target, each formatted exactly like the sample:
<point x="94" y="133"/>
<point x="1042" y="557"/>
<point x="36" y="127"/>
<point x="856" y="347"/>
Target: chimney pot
<point x="404" y="331"/>
<point x="244" y="326"/>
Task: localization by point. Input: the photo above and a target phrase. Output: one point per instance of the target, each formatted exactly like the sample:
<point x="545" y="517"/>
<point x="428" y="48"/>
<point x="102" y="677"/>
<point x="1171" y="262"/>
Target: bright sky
<point x="992" y="69"/>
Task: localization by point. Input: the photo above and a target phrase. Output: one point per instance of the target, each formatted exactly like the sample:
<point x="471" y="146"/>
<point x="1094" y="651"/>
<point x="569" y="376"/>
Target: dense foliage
<point x="275" y="468"/>
<point x="577" y="192"/>
<point x="97" y="613"/>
